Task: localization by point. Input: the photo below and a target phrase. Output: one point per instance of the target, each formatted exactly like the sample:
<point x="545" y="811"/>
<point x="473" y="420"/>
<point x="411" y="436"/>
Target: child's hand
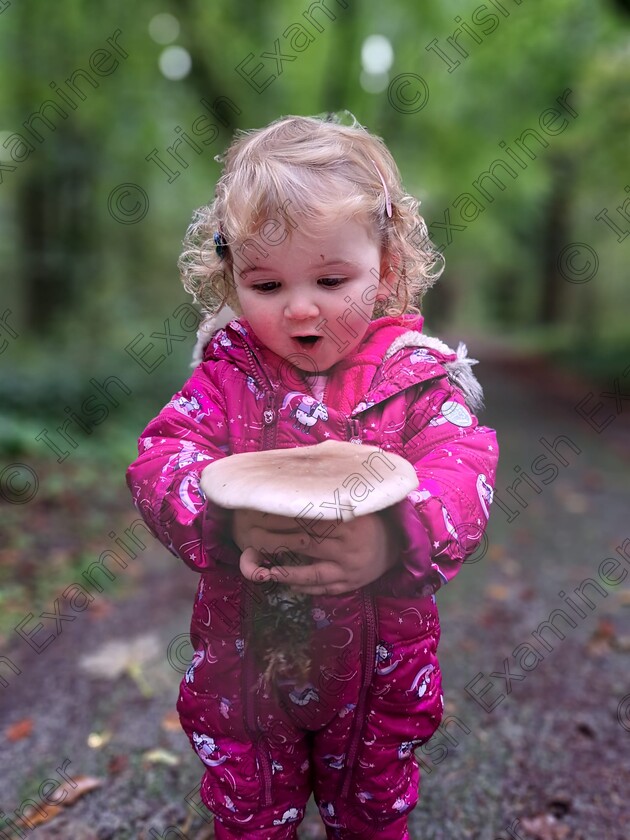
<point x="260" y="536"/>
<point x="355" y="554"/>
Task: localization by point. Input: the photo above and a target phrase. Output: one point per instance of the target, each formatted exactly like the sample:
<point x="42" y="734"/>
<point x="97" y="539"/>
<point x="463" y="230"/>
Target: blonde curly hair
<point x="329" y="173"/>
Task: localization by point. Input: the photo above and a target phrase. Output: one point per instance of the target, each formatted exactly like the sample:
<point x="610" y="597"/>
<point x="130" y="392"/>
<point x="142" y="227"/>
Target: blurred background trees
<point x="82" y="280"/>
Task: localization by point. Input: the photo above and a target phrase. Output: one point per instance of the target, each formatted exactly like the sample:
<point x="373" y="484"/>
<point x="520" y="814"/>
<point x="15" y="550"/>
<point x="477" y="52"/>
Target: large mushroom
<point x="361" y="479"/>
<point x="334" y="481"/>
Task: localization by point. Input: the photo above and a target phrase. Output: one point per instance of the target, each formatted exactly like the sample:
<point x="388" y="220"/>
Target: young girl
<point x="308" y="265"/>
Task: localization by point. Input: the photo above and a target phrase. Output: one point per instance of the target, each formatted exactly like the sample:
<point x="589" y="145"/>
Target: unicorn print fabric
<point x="373" y="692"/>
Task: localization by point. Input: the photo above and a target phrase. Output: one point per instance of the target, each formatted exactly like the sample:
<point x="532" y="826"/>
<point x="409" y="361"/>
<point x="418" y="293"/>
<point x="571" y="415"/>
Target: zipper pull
<point x="269" y="414"/>
<point x="355" y="432"/>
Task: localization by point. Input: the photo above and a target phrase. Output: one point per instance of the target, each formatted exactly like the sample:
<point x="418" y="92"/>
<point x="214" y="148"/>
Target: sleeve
<point x="443" y="522"/>
<point x="190" y="432"/>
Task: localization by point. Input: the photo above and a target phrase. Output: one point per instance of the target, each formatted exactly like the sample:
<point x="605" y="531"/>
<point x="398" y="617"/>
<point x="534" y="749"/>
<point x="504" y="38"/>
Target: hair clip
<point x="388" y="203"/>
<point x="343" y="117"/>
<point x="220" y="244"/>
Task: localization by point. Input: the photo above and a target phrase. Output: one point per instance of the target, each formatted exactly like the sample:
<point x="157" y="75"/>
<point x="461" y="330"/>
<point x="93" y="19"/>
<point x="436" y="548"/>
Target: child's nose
<point x="301" y="309"/>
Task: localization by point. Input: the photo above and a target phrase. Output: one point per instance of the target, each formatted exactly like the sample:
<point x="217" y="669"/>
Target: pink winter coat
<point x="402" y="391"/>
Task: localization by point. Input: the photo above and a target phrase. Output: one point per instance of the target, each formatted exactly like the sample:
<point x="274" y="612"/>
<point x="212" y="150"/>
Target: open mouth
<point x="307" y="340"/>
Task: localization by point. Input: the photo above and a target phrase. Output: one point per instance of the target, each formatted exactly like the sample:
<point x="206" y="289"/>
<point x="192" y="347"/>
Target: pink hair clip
<point x="388" y="203"/>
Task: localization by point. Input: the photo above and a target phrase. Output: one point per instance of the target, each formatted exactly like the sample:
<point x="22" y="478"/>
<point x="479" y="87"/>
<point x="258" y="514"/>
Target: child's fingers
<point x="270" y="543"/>
<point x="333" y="589"/>
<point x="255" y="566"/>
<point x="318" y="574"/>
<point x="251" y="566"/>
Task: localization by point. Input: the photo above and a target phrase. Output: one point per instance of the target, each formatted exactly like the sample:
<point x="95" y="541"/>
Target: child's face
<point x="323" y="287"/>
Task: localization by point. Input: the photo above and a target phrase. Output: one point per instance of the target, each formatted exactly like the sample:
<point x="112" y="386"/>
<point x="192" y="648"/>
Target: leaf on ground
<point x="96" y="740"/>
<point x="603" y="638"/>
<point x="76" y="788"/>
<point x="39" y="817"/>
<point x="117" y="764"/>
<point x="544" y="827"/>
<point x="170" y="721"/>
<point x="498" y="592"/>
<point x="161" y="756"/>
<point x="496" y="552"/>
<point x="101" y="608"/>
<point x="66" y="794"/>
<point x="117" y="657"/>
<point x="18" y="730"/>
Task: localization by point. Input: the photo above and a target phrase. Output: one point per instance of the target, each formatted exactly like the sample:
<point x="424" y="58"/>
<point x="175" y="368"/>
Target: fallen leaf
<point x="117" y="657"/>
<point x="498" y="592"/>
<point x="43" y="816"/>
<point x="96" y="740"/>
<point x="160" y="756"/>
<point x="20" y="729"/>
<point x="603" y="638"/>
<point x="496" y="552"/>
<point x="101" y="608"/>
<point x="117" y="764"/>
<point x="73" y="790"/>
<point x="170" y="721"/>
<point x="77" y="788"/>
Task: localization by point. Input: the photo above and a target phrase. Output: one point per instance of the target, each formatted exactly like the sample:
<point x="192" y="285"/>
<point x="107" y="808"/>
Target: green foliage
<point x="82" y="284"/>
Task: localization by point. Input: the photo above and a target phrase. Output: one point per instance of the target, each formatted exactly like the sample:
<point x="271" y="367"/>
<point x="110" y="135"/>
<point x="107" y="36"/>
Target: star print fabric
<point x="373" y="694"/>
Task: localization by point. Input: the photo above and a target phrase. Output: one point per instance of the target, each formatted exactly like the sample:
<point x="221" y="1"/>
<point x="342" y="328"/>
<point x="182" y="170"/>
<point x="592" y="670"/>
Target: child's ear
<point x="388" y="285"/>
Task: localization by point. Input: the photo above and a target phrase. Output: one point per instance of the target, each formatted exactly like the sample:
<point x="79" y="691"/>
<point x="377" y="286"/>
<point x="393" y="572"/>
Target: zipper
<point x="251" y="723"/>
<point x="354" y="431"/>
<point x="249" y="692"/>
<point x="269" y="418"/>
<point x="255" y="369"/>
<point x="369" y="655"/>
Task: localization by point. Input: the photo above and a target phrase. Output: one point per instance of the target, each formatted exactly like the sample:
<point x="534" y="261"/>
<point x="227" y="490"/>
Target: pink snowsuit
<point x="374" y="689"/>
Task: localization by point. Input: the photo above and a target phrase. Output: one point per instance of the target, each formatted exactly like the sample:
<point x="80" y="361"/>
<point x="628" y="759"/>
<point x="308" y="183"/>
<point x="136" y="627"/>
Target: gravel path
<point x="549" y="761"/>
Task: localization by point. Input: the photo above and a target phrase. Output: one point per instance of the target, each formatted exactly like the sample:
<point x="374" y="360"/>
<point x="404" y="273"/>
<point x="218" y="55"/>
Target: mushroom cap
<point x="334" y="480"/>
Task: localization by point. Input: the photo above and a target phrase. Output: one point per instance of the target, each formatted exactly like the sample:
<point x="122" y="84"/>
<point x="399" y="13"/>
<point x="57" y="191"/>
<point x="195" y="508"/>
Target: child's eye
<point x="332" y="282"/>
<point x="270" y="286"/>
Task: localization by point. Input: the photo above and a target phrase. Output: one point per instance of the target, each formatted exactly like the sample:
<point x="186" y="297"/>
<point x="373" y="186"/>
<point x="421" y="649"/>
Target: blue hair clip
<point x="220" y="244"/>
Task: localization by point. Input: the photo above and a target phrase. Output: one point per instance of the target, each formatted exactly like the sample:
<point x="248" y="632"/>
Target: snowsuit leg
<point x="369" y="792"/>
<point x="256" y="780"/>
<point x="255" y="790"/>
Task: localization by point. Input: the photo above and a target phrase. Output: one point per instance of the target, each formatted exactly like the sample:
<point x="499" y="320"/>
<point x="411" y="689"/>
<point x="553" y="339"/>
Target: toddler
<point x="309" y="265"/>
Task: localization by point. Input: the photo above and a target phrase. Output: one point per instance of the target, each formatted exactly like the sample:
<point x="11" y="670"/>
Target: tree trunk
<point x="555" y="236"/>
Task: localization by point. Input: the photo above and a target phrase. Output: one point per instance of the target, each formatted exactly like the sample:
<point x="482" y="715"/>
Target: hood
<point x="393" y="355"/>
